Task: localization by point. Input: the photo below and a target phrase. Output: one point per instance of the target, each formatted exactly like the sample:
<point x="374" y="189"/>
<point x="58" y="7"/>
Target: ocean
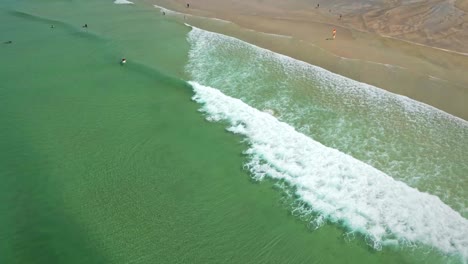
<point x="203" y="148"/>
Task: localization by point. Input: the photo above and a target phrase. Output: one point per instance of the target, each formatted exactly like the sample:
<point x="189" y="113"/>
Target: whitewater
<point x="338" y="187"/>
<point x="335" y="186"/>
<point x="408" y="140"/>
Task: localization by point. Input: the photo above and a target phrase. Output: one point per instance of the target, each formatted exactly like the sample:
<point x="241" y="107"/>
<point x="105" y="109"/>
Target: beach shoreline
<point x="106" y="162"/>
<point x="427" y="74"/>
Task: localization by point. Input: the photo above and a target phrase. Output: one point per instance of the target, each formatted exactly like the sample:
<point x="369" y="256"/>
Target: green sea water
<point x="103" y="163"/>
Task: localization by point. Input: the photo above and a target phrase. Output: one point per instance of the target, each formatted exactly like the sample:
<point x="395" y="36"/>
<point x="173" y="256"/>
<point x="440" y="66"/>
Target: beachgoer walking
<point x="318" y="5"/>
<point x="334" y="33"/>
<point x="188" y="5"/>
<point x="340" y="16"/>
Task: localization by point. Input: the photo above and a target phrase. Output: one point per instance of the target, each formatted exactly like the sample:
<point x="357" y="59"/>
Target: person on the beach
<point x="340" y="16"/>
<point x="318" y="5"/>
<point x="188" y="5"/>
<point x="334" y="33"/>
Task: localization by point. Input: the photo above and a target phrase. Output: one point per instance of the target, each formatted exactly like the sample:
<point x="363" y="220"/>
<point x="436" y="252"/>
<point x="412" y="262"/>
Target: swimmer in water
<point x="123" y="61"/>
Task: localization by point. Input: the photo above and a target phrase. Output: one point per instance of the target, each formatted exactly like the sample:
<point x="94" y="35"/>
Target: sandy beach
<point x="373" y="45"/>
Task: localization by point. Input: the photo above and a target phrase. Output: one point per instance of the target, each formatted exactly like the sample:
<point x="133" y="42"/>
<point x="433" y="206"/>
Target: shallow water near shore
<point x="104" y="163"/>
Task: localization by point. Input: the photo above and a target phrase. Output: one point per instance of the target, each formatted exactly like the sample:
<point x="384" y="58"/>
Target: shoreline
<point x="427" y="74"/>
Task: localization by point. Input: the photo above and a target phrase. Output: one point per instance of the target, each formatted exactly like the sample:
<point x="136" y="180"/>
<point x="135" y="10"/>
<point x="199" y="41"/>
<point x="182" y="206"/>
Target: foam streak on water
<point x="338" y="187"/>
<point x="408" y="140"/>
<point x="123" y="2"/>
<point x="168" y="11"/>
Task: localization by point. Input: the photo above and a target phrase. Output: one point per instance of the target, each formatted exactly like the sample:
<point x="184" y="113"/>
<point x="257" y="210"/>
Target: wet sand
<point x="433" y="75"/>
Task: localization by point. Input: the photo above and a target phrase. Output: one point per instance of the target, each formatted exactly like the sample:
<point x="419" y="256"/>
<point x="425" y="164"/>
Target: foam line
<point x="123" y="2"/>
<point x="338" y="187"/>
<point x="201" y="39"/>
<point x="361" y="120"/>
<point x="168" y="11"/>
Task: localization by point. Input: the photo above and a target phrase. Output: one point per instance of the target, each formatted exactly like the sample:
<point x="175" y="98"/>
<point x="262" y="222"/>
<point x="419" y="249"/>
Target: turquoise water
<point x="104" y="163"/>
<point x="410" y="141"/>
<point x="400" y="138"/>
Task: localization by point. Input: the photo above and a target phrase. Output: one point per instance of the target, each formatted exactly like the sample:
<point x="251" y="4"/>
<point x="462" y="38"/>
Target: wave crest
<point x="336" y="186"/>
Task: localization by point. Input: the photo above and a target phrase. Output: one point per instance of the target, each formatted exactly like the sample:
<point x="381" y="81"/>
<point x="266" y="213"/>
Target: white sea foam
<point x="201" y="39"/>
<point x="336" y="186"/>
<point x="275" y="35"/>
<point x="169" y="11"/>
<point x="408" y="140"/>
<point x="123" y="2"/>
<point x="220" y="20"/>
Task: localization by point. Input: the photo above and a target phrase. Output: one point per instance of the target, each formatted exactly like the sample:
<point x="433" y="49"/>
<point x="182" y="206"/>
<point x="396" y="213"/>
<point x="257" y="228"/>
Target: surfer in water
<point x="123" y="61"/>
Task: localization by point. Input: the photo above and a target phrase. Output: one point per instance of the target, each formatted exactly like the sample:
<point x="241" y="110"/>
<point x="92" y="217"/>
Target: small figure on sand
<point x="334" y="33"/>
<point x="188" y="5"/>
<point x="340" y="16"/>
<point x="85" y="26"/>
<point x="318" y="5"/>
<point x="123" y="61"/>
